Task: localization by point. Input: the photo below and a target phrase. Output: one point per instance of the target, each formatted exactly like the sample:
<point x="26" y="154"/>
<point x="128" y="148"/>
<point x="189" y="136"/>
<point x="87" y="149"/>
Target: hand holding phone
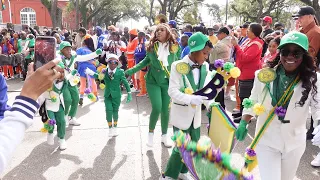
<point x="45" y="50"/>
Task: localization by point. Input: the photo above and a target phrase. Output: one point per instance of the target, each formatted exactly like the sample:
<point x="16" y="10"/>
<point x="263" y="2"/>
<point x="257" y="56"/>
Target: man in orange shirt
<point x="131" y="47"/>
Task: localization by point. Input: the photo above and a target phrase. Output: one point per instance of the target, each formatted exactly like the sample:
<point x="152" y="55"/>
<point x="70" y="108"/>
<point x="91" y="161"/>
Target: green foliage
<point x="280" y="10"/>
<point x="215" y="12"/>
<point x="47" y="4"/>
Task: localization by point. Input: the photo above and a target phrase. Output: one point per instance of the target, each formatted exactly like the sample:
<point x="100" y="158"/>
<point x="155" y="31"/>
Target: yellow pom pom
<point x="188" y="90"/>
<point x="50" y="89"/>
<point x="43" y="130"/>
<point x="258" y="109"/>
<point x="235" y="72"/>
<point x="101" y="76"/>
<point x="76" y="81"/>
<point x="102" y="86"/>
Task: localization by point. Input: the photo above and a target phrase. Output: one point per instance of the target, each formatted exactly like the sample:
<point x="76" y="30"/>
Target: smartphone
<point x="45" y="50"/>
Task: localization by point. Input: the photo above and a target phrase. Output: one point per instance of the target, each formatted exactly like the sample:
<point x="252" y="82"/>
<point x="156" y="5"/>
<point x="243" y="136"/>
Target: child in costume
<point x="71" y="95"/>
<point x="113" y="76"/>
<point x="281" y="97"/>
<point x="54" y="104"/>
<point x="187" y="76"/>
<point x="87" y="48"/>
<point x="161" y="53"/>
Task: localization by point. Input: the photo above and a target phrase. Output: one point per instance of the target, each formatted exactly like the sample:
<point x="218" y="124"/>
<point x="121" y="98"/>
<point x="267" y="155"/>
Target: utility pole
<point x="226" y="12"/>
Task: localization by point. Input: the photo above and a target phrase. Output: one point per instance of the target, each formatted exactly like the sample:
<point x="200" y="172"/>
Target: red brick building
<point x="33" y="13"/>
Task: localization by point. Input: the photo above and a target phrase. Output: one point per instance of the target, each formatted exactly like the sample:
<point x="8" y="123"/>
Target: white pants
<point x="276" y="165"/>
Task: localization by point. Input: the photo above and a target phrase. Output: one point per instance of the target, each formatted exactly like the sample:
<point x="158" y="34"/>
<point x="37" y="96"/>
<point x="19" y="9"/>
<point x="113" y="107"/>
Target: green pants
<point x="160" y="101"/>
<point x="112" y="109"/>
<point x="71" y="100"/>
<point x="175" y="164"/>
<point x="60" y="121"/>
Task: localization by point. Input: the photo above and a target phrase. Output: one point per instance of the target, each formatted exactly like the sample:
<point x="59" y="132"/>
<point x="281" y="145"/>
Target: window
<point x="1" y="17"/>
<point x="28" y="17"/>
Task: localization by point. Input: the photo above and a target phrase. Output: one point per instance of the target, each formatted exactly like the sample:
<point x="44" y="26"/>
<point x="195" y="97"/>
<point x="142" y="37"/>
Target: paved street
<point x="92" y="155"/>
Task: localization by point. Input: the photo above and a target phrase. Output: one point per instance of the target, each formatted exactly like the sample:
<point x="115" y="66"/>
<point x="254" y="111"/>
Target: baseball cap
<point x="133" y="32"/>
<point x="305" y="10"/>
<point x="64" y="44"/>
<point x="267" y="19"/>
<point x="295" y="37"/>
<point x="224" y="30"/>
<point x="245" y="25"/>
<point x="173" y="23"/>
<point x="278" y="24"/>
<point x="197" y="41"/>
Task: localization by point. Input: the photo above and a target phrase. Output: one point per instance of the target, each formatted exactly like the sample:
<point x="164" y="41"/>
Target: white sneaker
<point x="165" y="178"/>
<point x="50" y="139"/>
<point x="316" y="161"/>
<point x="166" y="141"/>
<point x="185" y="176"/>
<point x="150" y="139"/>
<point x="62" y="144"/>
<point x="110" y="132"/>
<point x="67" y="121"/>
<point x="21" y="76"/>
<point x="73" y="121"/>
<point x="114" y="133"/>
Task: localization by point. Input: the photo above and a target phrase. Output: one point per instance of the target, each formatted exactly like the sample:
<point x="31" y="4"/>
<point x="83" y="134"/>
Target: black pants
<point x="245" y="88"/>
<point x="26" y="64"/>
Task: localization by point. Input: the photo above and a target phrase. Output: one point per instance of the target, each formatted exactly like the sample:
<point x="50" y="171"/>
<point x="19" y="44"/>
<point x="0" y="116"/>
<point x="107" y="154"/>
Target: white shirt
<point x="114" y="71"/>
<point x="195" y="72"/>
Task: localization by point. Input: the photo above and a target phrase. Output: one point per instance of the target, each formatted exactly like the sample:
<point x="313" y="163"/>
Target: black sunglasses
<point x="297" y="54"/>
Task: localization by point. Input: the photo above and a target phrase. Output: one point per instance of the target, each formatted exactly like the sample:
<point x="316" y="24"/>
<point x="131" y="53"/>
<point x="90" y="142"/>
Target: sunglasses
<point x="112" y="62"/>
<point x="297" y="54"/>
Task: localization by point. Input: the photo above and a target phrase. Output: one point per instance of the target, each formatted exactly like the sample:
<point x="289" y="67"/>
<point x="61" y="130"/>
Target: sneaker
<point x="185" y="176"/>
<point x="163" y="177"/>
<point x="110" y="132"/>
<point x="141" y="94"/>
<point x="50" y="139"/>
<point x="21" y="76"/>
<point x="73" y="121"/>
<point x="62" y="144"/>
<point x="67" y="121"/>
<point x="166" y="141"/>
<point x="237" y="119"/>
<point x="115" y="132"/>
<point x="150" y="139"/>
<point x="316" y="161"/>
<point x="81" y="101"/>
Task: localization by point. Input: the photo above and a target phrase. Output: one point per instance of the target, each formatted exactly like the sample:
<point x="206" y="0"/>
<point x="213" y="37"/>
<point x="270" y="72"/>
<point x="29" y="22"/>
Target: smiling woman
<point x="282" y="105"/>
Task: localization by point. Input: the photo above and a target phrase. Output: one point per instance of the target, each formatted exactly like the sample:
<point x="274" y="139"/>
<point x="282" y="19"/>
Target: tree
<point x="255" y="9"/>
<point x="55" y="12"/>
<point x="214" y="11"/>
<point x="315" y="5"/>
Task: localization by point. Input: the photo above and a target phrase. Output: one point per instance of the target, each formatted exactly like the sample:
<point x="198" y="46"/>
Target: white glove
<point x="197" y="100"/>
<point x="89" y="72"/>
<point x="316" y="138"/>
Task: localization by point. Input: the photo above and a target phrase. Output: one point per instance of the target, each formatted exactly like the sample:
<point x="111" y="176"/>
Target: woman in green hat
<point x="161" y="53"/>
<point x="281" y="97"/>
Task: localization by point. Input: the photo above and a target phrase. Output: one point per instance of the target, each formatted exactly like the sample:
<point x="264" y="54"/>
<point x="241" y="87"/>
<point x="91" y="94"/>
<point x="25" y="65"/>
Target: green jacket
<point x="112" y="86"/>
<point x="156" y="74"/>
